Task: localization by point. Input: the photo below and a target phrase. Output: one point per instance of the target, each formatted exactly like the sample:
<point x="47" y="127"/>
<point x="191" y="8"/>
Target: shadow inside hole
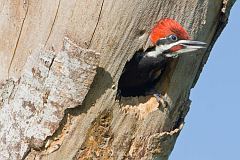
<point x="137" y="80"/>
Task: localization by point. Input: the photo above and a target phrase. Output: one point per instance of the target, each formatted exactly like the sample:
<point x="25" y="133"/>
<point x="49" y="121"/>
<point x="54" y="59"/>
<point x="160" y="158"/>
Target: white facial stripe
<point x="166" y="47"/>
<point x="153" y="54"/>
<point x="186" y="43"/>
<point x="174" y="55"/>
<point x="160" y="49"/>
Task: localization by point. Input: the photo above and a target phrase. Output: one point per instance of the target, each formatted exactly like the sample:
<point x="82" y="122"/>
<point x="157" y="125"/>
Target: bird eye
<point x="173" y="37"/>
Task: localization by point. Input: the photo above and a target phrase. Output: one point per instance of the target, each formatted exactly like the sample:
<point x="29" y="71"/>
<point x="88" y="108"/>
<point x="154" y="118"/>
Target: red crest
<point x="166" y="27"/>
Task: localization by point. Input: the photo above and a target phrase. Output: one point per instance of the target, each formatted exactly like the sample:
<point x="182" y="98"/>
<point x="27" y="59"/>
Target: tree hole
<point x="140" y="75"/>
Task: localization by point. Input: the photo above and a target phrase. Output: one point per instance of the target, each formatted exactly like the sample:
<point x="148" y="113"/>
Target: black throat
<point x="141" y="73"/>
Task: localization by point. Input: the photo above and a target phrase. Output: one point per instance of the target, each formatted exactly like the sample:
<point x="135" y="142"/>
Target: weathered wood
<point x="100" y="127"/>
<point x="33" y="107"/>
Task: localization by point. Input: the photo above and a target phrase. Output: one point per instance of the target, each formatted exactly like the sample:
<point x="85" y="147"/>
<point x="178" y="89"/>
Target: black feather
<point x="139" y="75"/>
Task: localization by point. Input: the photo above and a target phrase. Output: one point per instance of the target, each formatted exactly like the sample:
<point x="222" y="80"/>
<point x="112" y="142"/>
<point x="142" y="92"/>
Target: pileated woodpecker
<point x="140" y="74"/>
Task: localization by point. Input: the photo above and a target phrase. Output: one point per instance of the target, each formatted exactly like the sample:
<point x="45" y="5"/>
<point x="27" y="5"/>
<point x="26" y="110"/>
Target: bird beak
<point x="189" y="46"/>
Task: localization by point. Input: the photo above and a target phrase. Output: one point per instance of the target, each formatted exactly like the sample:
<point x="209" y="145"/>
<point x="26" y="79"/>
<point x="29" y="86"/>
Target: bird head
<point x="171" y="39"/>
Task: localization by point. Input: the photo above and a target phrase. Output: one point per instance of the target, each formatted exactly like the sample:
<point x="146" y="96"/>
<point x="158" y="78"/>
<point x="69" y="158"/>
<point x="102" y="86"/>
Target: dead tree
<point x="60" y="65"/>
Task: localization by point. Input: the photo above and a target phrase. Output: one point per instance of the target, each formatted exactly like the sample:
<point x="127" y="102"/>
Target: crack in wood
<point x="100" y="12"/>
<point x="54" y="20"/>
<point x="50" y="65"/>
<point x="18" y="39"/>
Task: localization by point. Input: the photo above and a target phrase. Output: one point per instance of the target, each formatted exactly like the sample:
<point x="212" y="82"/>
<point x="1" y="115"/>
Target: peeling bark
<point x="33" y="106"/>
<point x="58" y="101"/>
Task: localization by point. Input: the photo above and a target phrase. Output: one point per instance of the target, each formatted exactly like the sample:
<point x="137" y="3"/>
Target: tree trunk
<point x="60" y="65"/>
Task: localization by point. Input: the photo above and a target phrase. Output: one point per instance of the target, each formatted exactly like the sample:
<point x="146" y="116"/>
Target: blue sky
<point x="212" y="128"/>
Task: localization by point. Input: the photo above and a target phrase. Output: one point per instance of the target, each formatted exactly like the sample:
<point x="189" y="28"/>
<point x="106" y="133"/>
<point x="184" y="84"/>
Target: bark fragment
<point x="33" y="106"/>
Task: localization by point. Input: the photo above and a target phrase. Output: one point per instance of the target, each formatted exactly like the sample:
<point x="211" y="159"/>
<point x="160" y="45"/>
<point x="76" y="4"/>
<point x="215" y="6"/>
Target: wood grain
<point x="101" y="127"/>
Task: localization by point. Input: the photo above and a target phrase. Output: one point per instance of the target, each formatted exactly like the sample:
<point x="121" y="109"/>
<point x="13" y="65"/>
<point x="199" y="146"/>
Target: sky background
<point x="212" y="128"/>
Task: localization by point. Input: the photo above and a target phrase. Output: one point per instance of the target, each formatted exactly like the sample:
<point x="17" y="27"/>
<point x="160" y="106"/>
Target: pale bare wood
<point x="33" y="106"/>
<point x="102" y="127"/>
